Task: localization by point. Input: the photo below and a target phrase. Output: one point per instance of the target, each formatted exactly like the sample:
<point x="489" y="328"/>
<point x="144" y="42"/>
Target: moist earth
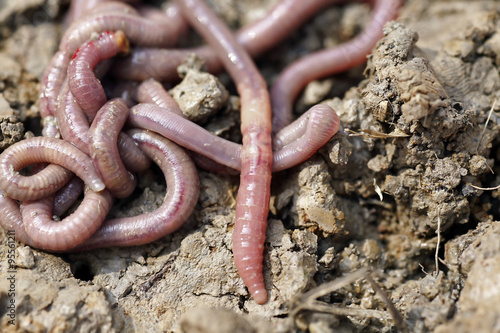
<point x="407" y="187"/>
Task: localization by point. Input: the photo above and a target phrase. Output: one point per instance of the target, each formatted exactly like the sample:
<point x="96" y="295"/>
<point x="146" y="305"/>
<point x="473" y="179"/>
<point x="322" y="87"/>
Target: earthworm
<point x="73" y="122"/>
<point x="256" y="38"/>
<point x="103" y="136"/>
<point x="139" y="31"/>
<point x="74" y="127"/>
<point x="180" y="199"/>
<point x="54" y="77"/>
<point x="305" y="136"/>
<point x="11" y="219"/>
<point x="71" y="231"/>
<point x="67" y="196"/>
<point x="185" y="133"/>
<point x="132" y="156"/>
<point x="78" y="8"/>
<point x="83" y="83"/>
<point x="52" y="81"/>
<point x="294" y="144"/>
<point x="328" y="62"/>
<point x="50" y="179"/>
<point x="252" y="205"/>
<point x="152" y="91"/>
<point x="50" y="127"/>
<point x="160" y="64"/>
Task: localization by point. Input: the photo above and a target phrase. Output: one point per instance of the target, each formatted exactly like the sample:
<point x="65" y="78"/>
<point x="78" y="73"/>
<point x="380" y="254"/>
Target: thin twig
<point x="308" y="300"/>
<point x="484" y="188"/>
<point x="485" y="126"/>
<point x="396" y="316"/>
<point x="438" y="232"/>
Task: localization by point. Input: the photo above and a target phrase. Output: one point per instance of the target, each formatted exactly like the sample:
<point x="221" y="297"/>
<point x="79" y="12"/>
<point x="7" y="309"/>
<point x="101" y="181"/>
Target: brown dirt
<point x="395" y="190"/>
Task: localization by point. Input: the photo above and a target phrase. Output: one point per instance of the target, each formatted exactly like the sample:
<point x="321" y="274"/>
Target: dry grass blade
<point x="309" y="302"/>
<point x="370" y="134"/>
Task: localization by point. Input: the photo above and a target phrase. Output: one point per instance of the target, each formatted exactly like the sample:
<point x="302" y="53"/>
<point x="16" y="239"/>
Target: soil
<point x="406" y="188"/>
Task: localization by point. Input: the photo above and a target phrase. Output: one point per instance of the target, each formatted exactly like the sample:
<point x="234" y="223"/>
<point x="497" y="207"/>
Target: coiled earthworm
<point x="71" y="231"/>
<point x="327" y="62"/>
<point x="74" y="127"/>
<point x="252" y="203"/>
<point x="83" y="83"/>
<point x="180" y="199"/>
<point x="103" y="137"/>
<point x="296" y="142"/>
<point x="292" y="144"/>
<point x="11" y="219"/>
<point x="138" y="30"/>
<point x="50" y="179"/>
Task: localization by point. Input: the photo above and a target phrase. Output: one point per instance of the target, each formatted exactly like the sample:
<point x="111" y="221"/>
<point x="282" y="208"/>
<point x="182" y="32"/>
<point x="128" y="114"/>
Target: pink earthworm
<point x="328" y="62"/>
<point x="252" y="204"/>
<point x="181" y="197"/>
<point x="103" y="135"/>
<point x="185" y="133"/>
<point x="80" y="7"/>
<point x="52" y="81"/>
<point x="256" y="38"/>
<point x="55" y="75"/>
<point x="12" y="220"/>
<point x="73" y="122"/>
<point x="50" y="127"/>
<point x="299" y="140"/>
<point x="139" y="31"/>
<point x="296" y="142"/>
<point x="72" y="230"/>
<point x="152" y="91"/>
<point x="74" y="127"/>
<point x="67" y="196"/>
<point x="83" y="83"/>
<point x="131" y="155"/>
<point x="50" y="179"/>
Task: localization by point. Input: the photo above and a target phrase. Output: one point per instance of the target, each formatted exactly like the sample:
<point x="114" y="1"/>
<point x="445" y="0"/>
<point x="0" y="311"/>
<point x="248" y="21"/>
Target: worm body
<point x="327" y="62"/>
<point x="52" y="82"/>
<point x="84" y="85"/>
<point x="103" y="137"/>
<point x="180" y="130"/>
<point x="71" y="231"/>
<point x="256" y="156"/>
<point x="180" y="200"/>
<point x="11" y="219"/>
<point x="73" y="122"/>
<point x="138" y="30"/>
<point x="67" y="196"/>
<point x="73" y="105"/>
<point x="50" y="179"/>
<point x="256" y="38"/>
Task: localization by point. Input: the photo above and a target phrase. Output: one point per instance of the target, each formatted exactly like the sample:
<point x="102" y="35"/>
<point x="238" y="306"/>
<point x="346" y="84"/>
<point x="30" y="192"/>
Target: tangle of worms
<point x="94" y="145"/>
